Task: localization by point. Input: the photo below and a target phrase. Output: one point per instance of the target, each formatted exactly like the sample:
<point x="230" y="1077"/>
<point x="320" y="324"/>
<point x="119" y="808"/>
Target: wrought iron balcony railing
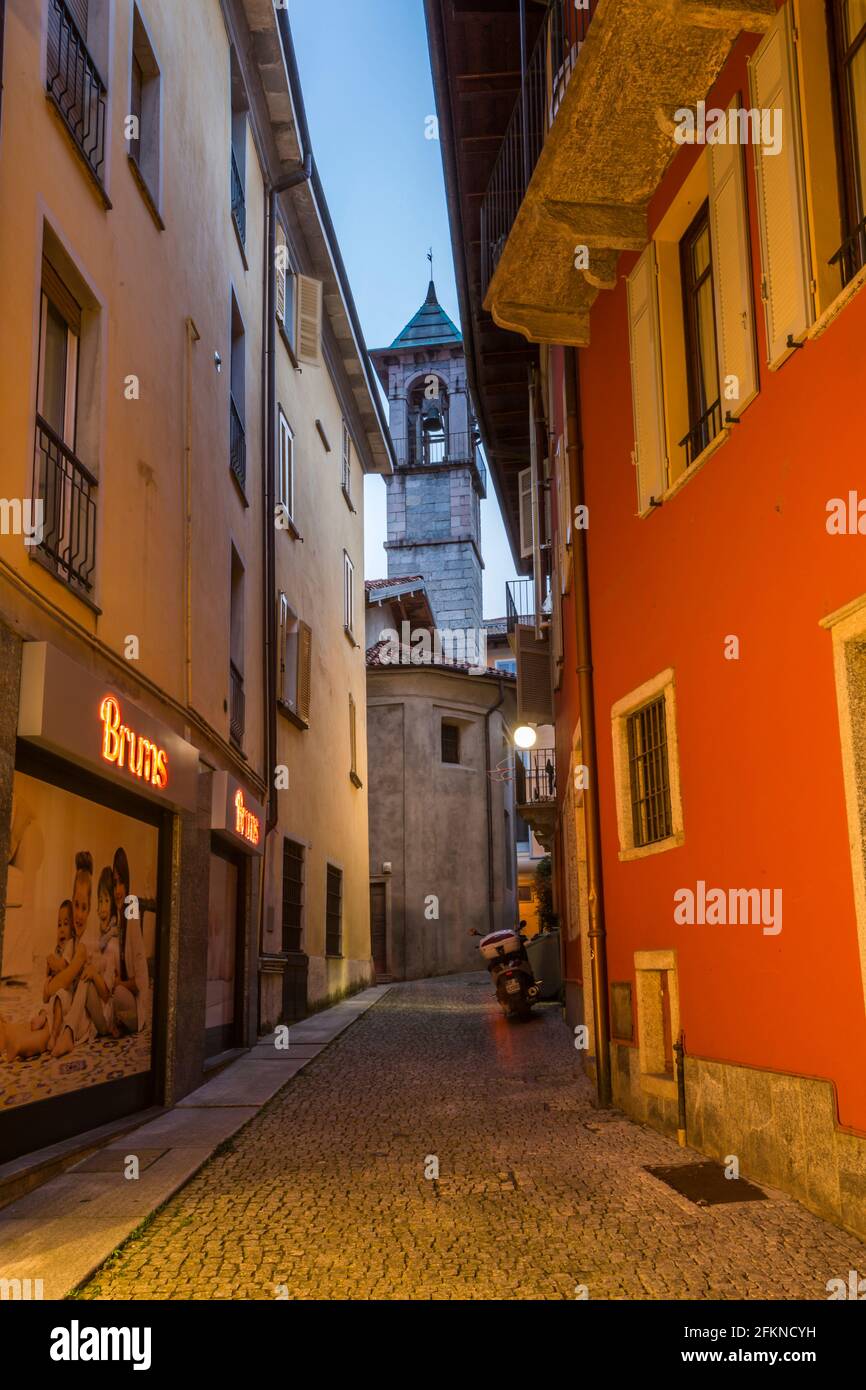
<point x="239" y="206"/>
<point x="520" y="603"/>
<point x="702" y="433"/>
<point x="535" y="775"/>
<point x="851" y="256"/>
<point x="237" y="713"/>
<point x="421" y="448"/>
<point x="75" y="87"/>
<point x="542" y="88"/>
<point x="237" y="444"/>
<point x="66" y="490"/>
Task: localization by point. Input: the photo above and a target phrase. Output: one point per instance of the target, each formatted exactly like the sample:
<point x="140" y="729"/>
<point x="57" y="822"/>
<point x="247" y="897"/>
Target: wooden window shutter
<point x="785" y="261"/>
<point x="305" y="646"/>
<point x="281" y="274"/>
<point x="61" y="296"/>
<point x="524" y="484"/>
<point x="646" y="380"/>
<point x="308" y="334"/>
<point x="534" y="688"/>
<point x="282" y="642"/>
<point x="732" y="275"/>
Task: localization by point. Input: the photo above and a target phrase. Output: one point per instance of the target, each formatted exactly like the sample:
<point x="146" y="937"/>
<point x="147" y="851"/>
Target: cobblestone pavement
<point x="324" y="1192"/>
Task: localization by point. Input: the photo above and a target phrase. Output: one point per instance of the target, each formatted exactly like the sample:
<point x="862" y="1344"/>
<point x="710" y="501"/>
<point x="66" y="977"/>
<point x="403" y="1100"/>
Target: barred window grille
<point x="293" y="894"/>
<point x="334" y="913"/>
<point x="649" y="774"/>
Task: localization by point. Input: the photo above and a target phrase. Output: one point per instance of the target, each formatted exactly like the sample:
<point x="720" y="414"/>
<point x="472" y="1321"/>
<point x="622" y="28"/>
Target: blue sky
<point x="365" y="73"/>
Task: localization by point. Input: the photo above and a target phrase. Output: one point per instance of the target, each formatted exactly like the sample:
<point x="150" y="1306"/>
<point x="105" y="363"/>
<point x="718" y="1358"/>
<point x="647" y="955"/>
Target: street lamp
<point x="525" y="736"/>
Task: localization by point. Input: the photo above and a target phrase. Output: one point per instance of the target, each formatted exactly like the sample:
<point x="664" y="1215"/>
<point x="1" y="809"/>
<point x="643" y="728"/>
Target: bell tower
<point x="434" y="516"/>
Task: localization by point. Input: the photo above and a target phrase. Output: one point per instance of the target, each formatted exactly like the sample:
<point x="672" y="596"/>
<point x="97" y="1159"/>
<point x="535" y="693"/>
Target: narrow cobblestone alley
<point x="325" y="1191"/>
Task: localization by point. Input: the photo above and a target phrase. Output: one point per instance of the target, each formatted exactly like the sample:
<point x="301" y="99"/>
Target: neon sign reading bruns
<point x="246" y="824"/>
<point x="124" y="748"/>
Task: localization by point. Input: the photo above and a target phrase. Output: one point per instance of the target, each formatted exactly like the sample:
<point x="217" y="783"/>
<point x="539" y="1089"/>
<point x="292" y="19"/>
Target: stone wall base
<point x="782" y="1129"/>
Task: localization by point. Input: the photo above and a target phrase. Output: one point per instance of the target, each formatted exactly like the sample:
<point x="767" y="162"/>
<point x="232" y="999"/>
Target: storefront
<point x="237" y="843"/>
<point x="97" y="782"/>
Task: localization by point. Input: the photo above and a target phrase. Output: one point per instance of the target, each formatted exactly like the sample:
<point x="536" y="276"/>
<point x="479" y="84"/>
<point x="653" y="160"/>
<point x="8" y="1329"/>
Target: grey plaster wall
<point x="429" y="818"/>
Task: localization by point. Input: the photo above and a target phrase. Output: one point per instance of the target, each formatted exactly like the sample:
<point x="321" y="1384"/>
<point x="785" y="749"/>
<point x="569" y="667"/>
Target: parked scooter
<point x="504" y="955"/>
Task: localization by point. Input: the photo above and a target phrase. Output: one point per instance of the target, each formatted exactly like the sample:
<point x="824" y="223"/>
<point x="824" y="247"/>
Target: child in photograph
<point x="64" y="948"/>
<point x="28" y="1040"/>
<point x="70" y="1026"/>
<point x="100" y="973"/>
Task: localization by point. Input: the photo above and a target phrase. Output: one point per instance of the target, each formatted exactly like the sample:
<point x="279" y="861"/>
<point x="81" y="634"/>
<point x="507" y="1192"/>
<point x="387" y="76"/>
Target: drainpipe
<point x="489" y="786"/>
<point x="594" y="875"/>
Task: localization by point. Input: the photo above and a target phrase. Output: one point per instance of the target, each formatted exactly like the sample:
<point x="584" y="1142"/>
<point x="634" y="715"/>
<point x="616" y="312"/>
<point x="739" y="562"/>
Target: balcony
<point x="67" y="545"/>
<point x="237" y="715"/>
<point x="422" y="450"/>
<point x="521" y="601"/>
<point x="535" y="791"/>
<point x="239" y="207"/>
<point x="543" y="85"/>
<point x="237" y="445"/>
<point x="589" y="141"/>
<point x="76" y="89"/>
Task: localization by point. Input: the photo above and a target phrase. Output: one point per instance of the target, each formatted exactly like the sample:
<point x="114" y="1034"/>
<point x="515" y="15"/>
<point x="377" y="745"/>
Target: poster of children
<point x="78" y="951"/>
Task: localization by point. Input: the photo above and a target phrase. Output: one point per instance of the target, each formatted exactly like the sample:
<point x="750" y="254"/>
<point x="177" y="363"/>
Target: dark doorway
<point x="378" y="928"/>
<point x="224" y="933"/>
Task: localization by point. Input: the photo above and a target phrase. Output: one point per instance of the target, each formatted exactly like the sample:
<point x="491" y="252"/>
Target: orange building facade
<point x="692" y="485"/>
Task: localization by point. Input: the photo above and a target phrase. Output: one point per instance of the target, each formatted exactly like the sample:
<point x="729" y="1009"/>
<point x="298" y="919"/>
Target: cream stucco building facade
<point x="173" y="291"/>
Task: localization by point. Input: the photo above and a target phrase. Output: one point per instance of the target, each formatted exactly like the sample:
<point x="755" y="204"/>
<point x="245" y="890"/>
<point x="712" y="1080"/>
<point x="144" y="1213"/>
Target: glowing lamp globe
<point x="525" y="736"/>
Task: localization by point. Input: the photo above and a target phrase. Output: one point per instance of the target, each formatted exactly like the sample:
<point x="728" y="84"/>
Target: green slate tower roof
<point x="431" y="327"/>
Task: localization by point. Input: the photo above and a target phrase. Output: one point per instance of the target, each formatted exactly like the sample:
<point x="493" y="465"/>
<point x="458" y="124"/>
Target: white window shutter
<point x="283" y="642"/>
<point x="281" y="274"/>
<point x="534" y="683"/>
<point x="732" y="278"/>
<point x="308" y="334"/>
<point x="785" y="262"/>
<point x="646" y="380"/>
<point x="524" y="487"/>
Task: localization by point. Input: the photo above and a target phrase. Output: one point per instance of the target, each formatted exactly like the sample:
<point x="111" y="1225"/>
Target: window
<point x="508" y="664"/>
<point x="295" y="640"/>
<point x="285" y="291"/>
<point x="348" y="596"/>
<point x="286" y="468"/>
<point x="848" y="56"/>
<point x="450" y="742"/>
<point x="353" y="742"/>
<point x="240" y="106"/>
<point x="334" y="912"/>
<point x="61" y="482"/>
<point x="699" y="319"/>
<point x="347" y="464"/>
<point x="77" y="49"/>
<point x="522" y="833"/>
<point x="293" y="894"/>
<point x="237" y="399"/>
<point x="236" y="649"/>
<point x="144" y="102"/>
<point x="648" y="773"/>
<point x="646" y="769"/>
<point x="524" y="892"/>
<point x="509" y="855"/>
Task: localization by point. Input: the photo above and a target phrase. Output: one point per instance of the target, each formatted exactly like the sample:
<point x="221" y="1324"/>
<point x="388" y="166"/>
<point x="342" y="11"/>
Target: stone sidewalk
<point x="64" y="1230"/>
<point x="330" y="1192"/>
